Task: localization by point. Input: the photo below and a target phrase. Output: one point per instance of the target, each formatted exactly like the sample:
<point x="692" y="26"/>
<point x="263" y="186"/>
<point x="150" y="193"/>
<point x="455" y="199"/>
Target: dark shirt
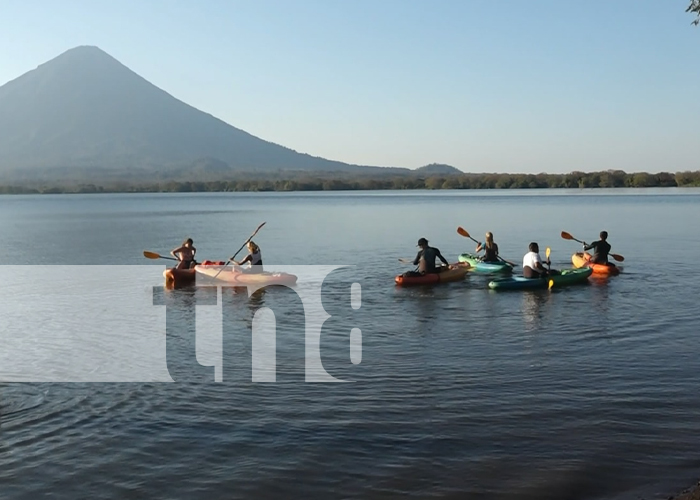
<point x="425" y="260"/>
<point x="491" y="253"/>
<point x="601" y="248"/>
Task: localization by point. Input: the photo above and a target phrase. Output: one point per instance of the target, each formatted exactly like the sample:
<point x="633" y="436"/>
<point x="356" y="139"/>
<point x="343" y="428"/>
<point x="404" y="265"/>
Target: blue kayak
<point x="567" y="277"/>
<point x="480" y="266"/>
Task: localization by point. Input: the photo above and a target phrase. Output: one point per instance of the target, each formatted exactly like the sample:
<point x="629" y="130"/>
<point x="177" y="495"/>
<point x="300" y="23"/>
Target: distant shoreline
<point x="328" y="182"/>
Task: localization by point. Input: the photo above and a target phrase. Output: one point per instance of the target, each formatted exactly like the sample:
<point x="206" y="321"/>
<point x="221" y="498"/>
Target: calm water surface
<point x="584" y="392"/>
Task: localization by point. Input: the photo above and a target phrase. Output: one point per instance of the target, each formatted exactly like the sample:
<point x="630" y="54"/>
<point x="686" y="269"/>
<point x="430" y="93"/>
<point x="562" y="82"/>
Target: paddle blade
<point x="463" y="232"/>
<point x="617" y="257"/>
<point x="567" y="236"/>
<point x="150" y="255"/>
<point x="405" y="261"/>
<point x="547" y="252"/>
<point x="551" y="284"/>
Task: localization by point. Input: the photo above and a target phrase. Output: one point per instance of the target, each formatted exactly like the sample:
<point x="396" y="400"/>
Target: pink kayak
<point x="231" y="275"/>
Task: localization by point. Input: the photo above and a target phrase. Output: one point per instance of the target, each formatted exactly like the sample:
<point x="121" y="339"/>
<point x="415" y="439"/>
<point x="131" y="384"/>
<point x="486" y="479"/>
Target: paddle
<point x="549" y="264"/>
<point x="615" y="256"/>
<point x="153" y="255"/>
<point x="463" y="232"/>
<point x="551" y="284"/>
<point x="242" y="246"/>
<point x="405" y="261"/>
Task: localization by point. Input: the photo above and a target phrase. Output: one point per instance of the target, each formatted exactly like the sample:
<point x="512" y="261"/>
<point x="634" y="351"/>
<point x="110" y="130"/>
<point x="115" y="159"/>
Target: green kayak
<point x="485" y="267"/>
<point x="567" y="277"/>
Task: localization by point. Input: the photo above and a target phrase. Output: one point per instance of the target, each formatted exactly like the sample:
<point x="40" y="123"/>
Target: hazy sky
<point x="483" y="85"/>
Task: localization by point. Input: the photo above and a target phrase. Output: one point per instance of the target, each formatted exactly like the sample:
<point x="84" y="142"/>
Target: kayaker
<point x="185" y="254"/>
<point x="490" y="249"/>
<point x="425" y="260"/>
<point x="601" y="248"/>
<point x="254" y="257"/>
<point x="532" y="263"/>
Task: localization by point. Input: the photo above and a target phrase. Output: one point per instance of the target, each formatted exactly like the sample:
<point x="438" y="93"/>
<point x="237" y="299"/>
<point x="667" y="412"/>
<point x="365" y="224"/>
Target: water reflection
<point x="424" y="304"/>
<point x="239" y="296"/>
<point x="600" y="299"/>
<point x="532" y="304"/>
<point x="181" y="328"/>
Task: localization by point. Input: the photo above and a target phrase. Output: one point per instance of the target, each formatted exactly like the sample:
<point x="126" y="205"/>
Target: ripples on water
<point x="582" y="392"/>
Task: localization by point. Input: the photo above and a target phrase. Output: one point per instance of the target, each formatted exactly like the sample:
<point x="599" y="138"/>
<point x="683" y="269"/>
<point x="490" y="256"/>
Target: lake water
<point x="587" y="391"/>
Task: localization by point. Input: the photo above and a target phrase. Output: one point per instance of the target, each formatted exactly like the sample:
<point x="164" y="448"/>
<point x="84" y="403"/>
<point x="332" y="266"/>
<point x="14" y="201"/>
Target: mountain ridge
<point x="84" y="108"/>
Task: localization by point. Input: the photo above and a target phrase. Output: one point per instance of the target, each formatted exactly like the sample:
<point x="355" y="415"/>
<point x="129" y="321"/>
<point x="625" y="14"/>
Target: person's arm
<point x="248" y="258"/>
<point x="444" y="261"/>
<point x="176" y="253"/>
<point x="588" y="247"/>
<point x="417" y="259"/>
<point x="539" y="265"/>
<point x="479" y="247"/>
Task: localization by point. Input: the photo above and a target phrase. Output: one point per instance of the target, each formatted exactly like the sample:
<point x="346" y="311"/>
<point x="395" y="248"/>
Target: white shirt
<point x="531" y="259"/>
<point x="256" y="258"/>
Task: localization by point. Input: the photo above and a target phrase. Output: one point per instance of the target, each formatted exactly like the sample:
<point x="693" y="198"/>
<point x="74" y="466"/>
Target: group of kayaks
<point x="471" y="263"/>
<point x="468" y="262"/>
<point x="583" y="268"/>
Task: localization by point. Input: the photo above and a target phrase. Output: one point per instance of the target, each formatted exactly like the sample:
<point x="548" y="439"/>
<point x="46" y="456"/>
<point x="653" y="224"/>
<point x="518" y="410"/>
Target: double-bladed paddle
<point x="242" y="246"/>
<point x="568" y="236"/>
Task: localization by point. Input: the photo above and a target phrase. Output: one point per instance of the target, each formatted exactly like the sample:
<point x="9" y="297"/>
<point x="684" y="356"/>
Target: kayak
<point x="457" y="273"/>
<point x="178" y="277"/>
<point x="567" y="277"/>
<point x="583" y="259"/>
<point x="230" y="274"/>
<point x="485" y="267"/>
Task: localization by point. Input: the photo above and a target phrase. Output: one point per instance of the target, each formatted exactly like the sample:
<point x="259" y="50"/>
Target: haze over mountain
<point x="86" y="110"/>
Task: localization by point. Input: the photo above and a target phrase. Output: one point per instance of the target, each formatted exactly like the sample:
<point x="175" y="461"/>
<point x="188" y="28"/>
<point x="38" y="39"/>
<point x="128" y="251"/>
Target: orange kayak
<point x="233" y="276"/>
<point x="583" y="259"/>
<point x="456" y="272"/>
<point x="175" y="278"/>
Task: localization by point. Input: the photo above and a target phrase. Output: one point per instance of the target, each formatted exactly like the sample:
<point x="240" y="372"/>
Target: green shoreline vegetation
<point x="331" y="182"/>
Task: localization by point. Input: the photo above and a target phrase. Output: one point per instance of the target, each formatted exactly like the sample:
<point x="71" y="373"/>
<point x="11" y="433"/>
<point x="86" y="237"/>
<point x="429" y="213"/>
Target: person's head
<point x="422" y="243"/>
<point x="534" y="247"/>
<point x="489" y="238"/>
<point x="252" y="247"/>
<point x="603" y="235"/>
<point x="188" y="242"/>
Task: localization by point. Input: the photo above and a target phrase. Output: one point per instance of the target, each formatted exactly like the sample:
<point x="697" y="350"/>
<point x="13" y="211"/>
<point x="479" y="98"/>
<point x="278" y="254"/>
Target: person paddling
<point x="601" y="249"/>
<point x="425" y="260"/>
<point x="185" y="254"/>
<point x="532" y="263"/>
<point x="254" y="257"/>
<point x="490" y="249"/>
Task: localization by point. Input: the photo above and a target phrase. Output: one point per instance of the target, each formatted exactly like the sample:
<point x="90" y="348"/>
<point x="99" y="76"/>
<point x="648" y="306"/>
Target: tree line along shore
<point x="311" y="182"/>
